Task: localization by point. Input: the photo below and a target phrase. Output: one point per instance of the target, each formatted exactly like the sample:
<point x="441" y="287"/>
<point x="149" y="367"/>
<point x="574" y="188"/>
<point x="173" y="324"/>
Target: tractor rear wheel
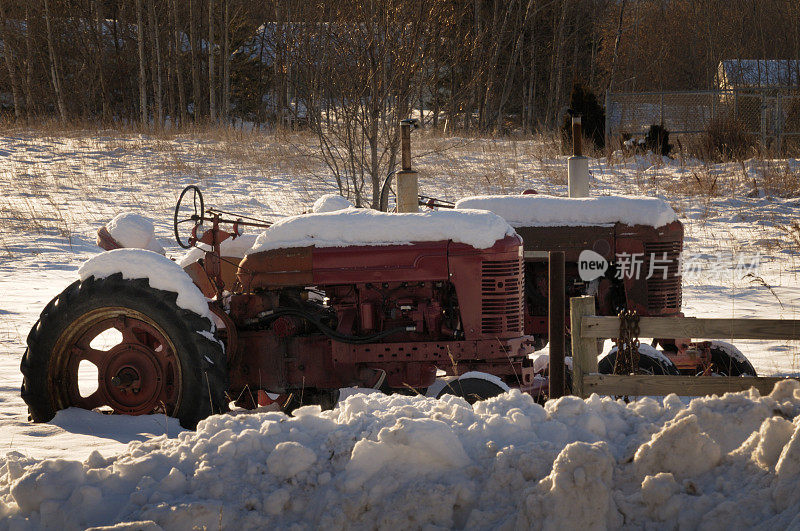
<point x="648" y="363"/>
<point x="150" y="355"/>
<point x="727" y="360"/>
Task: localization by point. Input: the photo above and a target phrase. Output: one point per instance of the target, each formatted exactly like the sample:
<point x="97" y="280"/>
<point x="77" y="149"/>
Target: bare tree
<point x="193" y="31"/>
<point x="8" y="53"/>
<point x="54" y="66"/>
<point x="28" y="62"/>
<point x="176" y="63"/>
<point x="212" y="96"/>
<point x="155" y="66"/>
<point x="226" y="61"/>
<point x="100" y="43"/>
<point x="142" y="74"/>
<point x="355" y="73"/>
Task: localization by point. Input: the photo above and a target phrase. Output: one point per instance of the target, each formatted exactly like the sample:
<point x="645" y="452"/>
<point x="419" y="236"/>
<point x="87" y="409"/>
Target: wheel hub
<point x="127" y="378"/>
<point x="133" y="379"/>
<point x="139" y="375"/>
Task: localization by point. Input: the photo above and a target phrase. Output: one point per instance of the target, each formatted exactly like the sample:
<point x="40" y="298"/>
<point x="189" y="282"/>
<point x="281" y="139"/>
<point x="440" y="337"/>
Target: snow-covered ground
<point x="485" y="468"/>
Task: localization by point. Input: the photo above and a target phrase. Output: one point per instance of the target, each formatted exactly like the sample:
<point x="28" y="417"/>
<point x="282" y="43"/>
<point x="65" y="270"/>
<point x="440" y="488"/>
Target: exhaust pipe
<point x="407" y="183"/>
<point x="577" y="164"/>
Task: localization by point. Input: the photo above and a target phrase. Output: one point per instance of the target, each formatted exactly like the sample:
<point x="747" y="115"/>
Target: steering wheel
<point x="196" y="214"/>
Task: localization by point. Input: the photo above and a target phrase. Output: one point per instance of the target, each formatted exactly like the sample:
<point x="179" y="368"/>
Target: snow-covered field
<point x="397" y="461"/>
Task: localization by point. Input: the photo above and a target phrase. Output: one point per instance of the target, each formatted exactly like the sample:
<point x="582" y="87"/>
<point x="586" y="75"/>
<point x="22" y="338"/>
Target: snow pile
<point x="134" y="231"/>
<point x="545" y="210"/>
<point x="369" y="227"/>
<point x="381" y="461"/>
<point x="160" y="272"/>
<point x="235" y="248"/>
<point x="331" y="203"/>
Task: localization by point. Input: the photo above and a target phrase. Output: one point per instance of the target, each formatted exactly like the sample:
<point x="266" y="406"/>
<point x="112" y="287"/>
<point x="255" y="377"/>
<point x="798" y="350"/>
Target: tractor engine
<point x="321" y="318"/>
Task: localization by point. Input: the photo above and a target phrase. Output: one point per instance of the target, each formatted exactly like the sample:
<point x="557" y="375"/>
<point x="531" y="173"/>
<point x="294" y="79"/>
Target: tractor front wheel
<point x="149" y="355"/>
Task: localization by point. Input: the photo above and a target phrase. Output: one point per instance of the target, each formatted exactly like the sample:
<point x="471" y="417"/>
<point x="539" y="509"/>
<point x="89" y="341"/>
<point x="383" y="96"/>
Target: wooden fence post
<point x="584" y="349"/>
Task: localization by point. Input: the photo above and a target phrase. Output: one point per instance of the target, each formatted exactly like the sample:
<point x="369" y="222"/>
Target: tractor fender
<point x="477" y="375"/>
<point x="471" y="386"/>
<point x="161" y="273"/>
<point x="436" y="387"/>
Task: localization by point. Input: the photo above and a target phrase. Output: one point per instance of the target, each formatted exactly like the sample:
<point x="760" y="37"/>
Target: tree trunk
<point x="54" y="69"/>
<point x="193" y="30"/>
<point x="557" y="68"/>
<point x="142" y="74"/>
<point x="532" y="85"/>
<point x="172" y="109"/>
<point x="155" y="67"/>
<point x="29" y="106"/>
<point x="100" y="21"/>
<point x="212" y="96"/>
<point x="226" y="64"/>
<point x="508" y="82"/>
<point x="176" y="58"/>
<point x="9" y="57"/>
<point x="616" y="46"/>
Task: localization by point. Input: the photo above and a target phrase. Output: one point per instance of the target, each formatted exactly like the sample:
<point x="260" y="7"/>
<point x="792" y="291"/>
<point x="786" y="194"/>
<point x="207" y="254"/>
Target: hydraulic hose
<point x="326" y="330"/>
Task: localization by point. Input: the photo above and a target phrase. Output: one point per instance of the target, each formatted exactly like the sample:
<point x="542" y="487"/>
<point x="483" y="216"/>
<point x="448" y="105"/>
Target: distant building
<point x="738" y="74"/>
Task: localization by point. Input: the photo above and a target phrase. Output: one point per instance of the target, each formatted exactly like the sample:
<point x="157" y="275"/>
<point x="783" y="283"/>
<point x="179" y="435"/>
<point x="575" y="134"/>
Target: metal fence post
<point x="556" y="325"/>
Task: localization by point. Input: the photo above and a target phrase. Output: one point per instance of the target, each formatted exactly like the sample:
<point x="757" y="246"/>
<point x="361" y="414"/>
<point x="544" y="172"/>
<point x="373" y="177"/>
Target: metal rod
<point x="405" y="146"/>
<point x="218" y="211"/>
<point x="407" y="182"/>
<point x="264" y="224"/>
<point x="556" y="323"/>
<point x="577" y="145"/>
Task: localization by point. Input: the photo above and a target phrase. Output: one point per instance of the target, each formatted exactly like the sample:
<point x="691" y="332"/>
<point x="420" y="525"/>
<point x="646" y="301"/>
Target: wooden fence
<point x="587" y="328"/>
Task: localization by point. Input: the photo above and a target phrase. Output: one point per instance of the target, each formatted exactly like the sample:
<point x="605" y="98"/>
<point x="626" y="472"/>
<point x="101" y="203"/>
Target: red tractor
<point x="639" y="241"/>
<point x="297" y="318"/>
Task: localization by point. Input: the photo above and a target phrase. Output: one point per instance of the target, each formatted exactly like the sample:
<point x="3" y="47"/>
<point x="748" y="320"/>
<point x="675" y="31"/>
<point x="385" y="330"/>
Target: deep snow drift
<point x="396" y="462"/>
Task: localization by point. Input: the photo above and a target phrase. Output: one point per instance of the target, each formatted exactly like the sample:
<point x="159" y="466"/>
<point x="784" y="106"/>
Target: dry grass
<point x="463" y="165"/>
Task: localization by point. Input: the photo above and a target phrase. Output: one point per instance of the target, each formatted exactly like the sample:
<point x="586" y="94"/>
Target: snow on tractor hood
<point x="360" y="226"/>
<point x="546" y="210"/>
<point x="160" y="272"/>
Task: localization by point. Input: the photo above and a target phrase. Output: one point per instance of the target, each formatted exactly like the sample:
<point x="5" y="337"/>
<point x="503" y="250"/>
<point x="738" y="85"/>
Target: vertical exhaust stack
<point x="407" y="184"/>
<point x="577" y="164"/>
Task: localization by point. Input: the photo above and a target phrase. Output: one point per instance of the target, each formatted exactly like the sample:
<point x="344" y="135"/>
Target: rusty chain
<point x="627" y="361"/>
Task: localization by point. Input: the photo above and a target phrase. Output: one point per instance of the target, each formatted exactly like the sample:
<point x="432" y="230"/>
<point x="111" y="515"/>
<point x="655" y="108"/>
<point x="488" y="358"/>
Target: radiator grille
<point x="663" y="294"/>
<point x="501" y="295"/>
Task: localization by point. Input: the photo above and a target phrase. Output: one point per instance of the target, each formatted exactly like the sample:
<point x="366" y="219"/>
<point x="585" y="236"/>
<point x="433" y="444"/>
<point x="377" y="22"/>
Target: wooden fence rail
<point x="587" y="328"/>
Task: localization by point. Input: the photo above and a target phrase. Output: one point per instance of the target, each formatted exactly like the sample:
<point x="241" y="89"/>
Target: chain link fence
<point x="771" y="115"/>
